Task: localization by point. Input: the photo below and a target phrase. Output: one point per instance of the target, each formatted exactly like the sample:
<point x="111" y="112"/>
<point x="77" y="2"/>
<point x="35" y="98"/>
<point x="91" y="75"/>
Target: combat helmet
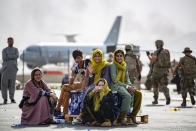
<point x="110" y="54"/>
<point x="159" y="42"/>
<point x="128" y="47"/>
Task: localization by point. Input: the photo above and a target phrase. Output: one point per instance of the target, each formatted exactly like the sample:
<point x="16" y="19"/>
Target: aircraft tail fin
<point x="70" y="37"/>
<point x="112" y="37"/>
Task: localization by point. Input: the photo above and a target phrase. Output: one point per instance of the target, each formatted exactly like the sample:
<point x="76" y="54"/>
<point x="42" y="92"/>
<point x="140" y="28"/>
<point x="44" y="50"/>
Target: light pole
<point x="23" y="70"/>
<point x="68" y="61"/>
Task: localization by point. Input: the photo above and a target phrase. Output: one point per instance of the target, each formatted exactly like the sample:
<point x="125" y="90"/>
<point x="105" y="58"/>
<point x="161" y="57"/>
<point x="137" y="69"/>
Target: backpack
<point x="188" y="65"/>
<point x="164" y="59"/>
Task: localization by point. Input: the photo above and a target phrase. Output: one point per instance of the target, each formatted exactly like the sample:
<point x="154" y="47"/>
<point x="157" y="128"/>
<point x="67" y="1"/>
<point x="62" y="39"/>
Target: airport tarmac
<point x="161" y="116"/>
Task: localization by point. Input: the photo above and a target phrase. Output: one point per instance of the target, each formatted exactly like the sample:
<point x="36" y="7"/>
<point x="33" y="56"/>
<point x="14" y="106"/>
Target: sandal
<point x="123" y="122"/>
<point x="133" y="118"/>
<point x="78" y="120"/>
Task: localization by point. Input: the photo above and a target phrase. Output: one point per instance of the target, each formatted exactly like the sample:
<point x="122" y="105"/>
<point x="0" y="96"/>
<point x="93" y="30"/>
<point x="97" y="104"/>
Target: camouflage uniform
<point x="160" y="72"/>
<point x="138" y="74"/>
<point x="110" y="57"/>
<point x="140" y="66"/>
<point x="187" y="68"/>
<point x="130" y="60"/>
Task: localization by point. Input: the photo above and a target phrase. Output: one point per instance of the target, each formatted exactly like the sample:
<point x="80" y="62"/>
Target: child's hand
<point x="96" y="89"/>
<point x="90" y="68"/>
<point x="130" y="90"/>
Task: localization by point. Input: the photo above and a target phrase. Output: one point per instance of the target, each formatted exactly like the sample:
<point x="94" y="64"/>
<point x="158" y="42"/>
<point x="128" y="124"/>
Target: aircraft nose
<point x="22" y="56"/>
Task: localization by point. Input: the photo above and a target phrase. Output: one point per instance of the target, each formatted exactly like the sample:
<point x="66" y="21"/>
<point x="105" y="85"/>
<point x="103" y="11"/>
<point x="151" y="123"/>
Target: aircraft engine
<point x="31" y="66"/>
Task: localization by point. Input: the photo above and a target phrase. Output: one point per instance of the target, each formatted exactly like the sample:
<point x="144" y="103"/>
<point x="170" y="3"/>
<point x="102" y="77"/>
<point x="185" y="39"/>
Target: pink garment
<point x="35" y="114"/>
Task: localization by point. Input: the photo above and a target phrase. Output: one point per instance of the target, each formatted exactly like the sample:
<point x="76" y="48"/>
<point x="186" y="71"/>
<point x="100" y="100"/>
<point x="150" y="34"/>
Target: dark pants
<point x="106" y="110"/>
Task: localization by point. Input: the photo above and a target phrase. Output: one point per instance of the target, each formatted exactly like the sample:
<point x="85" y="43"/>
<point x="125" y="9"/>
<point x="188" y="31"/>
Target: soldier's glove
<point x="147" y="53"/>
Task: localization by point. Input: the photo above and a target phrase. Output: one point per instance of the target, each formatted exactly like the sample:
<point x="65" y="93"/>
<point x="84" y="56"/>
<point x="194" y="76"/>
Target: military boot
<point x="155" y="102"/>
<point x="183" y="102"/>
<point x="192" y="100"/>
<point x="168" y="101"/>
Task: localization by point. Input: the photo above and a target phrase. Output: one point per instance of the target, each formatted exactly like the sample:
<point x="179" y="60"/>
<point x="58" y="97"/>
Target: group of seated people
<point x="98" y="79"/>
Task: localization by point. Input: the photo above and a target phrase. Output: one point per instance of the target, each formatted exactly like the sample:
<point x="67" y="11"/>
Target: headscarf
<point x="97" y="67"/>
<point x="36" y="83"/>
<point x="121" y="67"/>
<point x="97" y="97"/>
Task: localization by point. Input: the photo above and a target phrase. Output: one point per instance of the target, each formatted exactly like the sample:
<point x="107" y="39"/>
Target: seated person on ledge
<point x="99" y="105"/>
<point x="38" y="101"/>
<point x="99" y="68"/>
<point x="120" y="82"/>
<point x="75" y="82"/>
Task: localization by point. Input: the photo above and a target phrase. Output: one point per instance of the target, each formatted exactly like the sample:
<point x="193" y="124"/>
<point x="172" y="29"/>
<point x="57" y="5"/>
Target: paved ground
<point x="160" y="116"/>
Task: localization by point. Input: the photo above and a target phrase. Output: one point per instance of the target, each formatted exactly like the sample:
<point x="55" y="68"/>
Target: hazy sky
<point x="144" y="21"/>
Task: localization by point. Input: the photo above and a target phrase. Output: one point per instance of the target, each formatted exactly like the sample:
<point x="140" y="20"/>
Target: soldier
<point x="161" y="64"/>
<point x="132" y="63"/>
<point x="110" y="57"/>
<point x="187" y="67"/>
<point x="9" y="70"/>
<point x="138" y="73"/>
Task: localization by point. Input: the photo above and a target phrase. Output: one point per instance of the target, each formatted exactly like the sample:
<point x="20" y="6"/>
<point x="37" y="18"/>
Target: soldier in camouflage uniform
<point x="137" y="82"/>
<point x="110" y="57"/>
<point x="161" y="64"/>
<point x="132" y="63"/>
<point x="187" y="67"/>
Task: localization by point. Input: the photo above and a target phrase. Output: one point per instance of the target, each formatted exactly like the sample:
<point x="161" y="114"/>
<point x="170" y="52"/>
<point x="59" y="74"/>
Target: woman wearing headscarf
<point x="37" y="101"/>
<point x="98" y="106"/>
<point x="99" y="68"/>
<point x="120" y="82"/>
